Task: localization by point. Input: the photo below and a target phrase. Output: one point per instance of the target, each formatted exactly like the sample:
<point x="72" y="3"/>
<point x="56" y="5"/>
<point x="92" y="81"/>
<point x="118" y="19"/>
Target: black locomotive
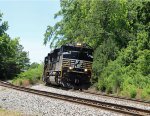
<point x="69" y="66"/>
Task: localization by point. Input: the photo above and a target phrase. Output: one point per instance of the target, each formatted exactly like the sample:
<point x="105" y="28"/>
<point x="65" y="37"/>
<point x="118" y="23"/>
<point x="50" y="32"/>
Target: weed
<point x="133" y="93"/>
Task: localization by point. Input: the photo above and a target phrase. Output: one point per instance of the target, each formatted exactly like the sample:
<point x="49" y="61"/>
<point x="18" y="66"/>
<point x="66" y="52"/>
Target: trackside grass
<point x="4" y="112"/>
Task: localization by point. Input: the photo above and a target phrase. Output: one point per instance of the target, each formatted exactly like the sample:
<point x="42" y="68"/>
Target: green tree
<point x="131" y="69"/>
<point x="34" y="65"/>
<point x="3" y="25"/>
<point x="13" y="59"/>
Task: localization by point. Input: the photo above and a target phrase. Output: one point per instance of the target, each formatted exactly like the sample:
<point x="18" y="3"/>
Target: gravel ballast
<point x="30" y="104"/>
<point x="90" y="96"/>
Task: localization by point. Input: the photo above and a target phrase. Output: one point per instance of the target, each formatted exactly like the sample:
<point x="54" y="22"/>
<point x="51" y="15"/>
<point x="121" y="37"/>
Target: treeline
<point x="13" y="59"/>
<point x="119" y="32"/>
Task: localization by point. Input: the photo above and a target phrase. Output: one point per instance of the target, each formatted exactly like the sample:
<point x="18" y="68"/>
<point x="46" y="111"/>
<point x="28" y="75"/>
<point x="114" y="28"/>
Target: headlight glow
<point x="79" y="44"/>
<point x="85" y="70"/>
<point x="70" y="68"/>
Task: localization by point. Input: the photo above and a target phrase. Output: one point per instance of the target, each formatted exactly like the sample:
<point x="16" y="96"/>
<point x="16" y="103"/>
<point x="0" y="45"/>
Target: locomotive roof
<point x="84" y="45"/>
<point x="71" y="45"/>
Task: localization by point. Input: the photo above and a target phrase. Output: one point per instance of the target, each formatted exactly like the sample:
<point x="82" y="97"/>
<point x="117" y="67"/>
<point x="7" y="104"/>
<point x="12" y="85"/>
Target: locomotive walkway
<point x="93" y="103"/>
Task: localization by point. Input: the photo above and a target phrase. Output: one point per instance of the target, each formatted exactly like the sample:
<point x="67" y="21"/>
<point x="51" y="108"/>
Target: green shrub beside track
<point x="31" y="76"/>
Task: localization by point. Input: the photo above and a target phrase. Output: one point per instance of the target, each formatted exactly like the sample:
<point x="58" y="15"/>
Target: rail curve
<point x="128" y="110"/>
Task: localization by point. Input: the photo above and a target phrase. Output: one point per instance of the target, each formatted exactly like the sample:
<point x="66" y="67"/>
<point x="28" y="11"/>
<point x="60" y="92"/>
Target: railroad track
<point x="122" y="98"/>
<point x="106" y="95"/>
<point x="128" y="110"/>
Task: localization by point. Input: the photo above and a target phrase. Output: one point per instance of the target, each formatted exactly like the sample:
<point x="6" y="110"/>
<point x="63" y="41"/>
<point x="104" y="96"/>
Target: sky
<point x="28" y="20"/>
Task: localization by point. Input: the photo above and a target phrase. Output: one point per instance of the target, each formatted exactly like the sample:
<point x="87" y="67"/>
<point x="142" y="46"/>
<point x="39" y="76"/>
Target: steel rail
<point x="137" y="101"/>
<point x="106" y="95"/>
<point x="112" y="96"/>
<point x="128" y="110"/>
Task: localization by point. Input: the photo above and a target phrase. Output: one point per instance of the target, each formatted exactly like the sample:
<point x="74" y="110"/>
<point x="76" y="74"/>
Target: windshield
<point x="78" y="55"/>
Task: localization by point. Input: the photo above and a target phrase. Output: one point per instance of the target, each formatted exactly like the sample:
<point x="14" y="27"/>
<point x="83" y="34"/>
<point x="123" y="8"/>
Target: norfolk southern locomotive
<point x="69" y="66"/>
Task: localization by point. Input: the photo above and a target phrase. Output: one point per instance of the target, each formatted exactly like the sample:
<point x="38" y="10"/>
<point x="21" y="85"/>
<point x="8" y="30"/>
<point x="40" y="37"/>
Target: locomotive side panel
<point x="58" y="63"/>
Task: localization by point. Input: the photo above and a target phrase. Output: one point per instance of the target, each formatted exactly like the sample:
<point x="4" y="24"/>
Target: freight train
<point x="69" y="66"/>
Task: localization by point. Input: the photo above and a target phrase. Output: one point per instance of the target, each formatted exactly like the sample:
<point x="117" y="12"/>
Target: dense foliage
<point x="119" y="32"/>
<point x="31" y="76"/>
<point x="13" y="59"/>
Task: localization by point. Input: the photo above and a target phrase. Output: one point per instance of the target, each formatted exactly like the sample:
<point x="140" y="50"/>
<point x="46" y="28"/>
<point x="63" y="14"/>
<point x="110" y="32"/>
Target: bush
<point x="101" y="86"/>
<point x="144" y="94"/>
<point x="103" y="54"/>
<point x="31" y="81"/>
<point x="31" y="76"/>
<point x="109" y="90"/>
<point x="133" y="93"/>
<point x="20" y="82"/>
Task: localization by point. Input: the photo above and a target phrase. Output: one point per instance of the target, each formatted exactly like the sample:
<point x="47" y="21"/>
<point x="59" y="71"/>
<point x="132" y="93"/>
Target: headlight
<point x="85" y="70"/>
<point x="79" y="44"/>
<point x="70" y="68"/>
